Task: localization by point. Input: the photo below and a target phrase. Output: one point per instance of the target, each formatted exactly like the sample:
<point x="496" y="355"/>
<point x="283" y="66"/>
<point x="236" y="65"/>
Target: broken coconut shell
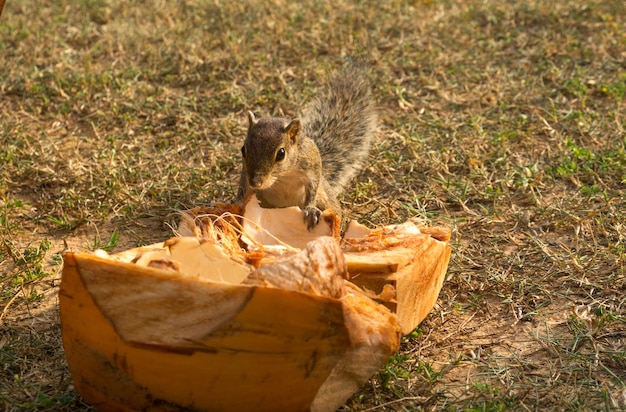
<point x="219" y="321"/>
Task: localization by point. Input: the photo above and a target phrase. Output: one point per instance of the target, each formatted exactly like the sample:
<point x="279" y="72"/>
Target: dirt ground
<point x="503" y="121"/>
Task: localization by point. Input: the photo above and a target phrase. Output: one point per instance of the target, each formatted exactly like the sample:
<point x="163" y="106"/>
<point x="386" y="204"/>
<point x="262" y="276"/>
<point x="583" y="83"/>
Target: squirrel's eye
<point x="280" y="155"/>
<point x="243" y="151"/>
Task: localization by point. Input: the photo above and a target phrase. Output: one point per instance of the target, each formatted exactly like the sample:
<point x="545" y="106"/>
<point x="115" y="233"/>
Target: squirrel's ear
<point x="251" y="119"/>
<point x="293" y="129"/>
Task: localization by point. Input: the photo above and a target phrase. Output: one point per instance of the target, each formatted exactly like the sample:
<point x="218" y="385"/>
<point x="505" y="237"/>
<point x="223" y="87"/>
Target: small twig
<point x="6" y="307"/>
<point x="406" y="398"/>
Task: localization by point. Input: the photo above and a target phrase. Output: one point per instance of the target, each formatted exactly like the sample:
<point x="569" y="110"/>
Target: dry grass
<point x="502" y="120"/>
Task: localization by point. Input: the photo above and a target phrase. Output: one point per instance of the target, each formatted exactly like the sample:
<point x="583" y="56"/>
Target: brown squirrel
<point x="308" y="162"/>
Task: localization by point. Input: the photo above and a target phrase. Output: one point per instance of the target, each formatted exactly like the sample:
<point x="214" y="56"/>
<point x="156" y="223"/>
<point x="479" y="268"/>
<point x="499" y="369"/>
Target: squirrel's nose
<point x="255" y="181"/>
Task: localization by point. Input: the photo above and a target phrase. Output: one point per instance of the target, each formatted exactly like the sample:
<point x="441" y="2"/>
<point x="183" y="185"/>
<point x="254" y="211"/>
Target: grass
<point x="502" y="120"/>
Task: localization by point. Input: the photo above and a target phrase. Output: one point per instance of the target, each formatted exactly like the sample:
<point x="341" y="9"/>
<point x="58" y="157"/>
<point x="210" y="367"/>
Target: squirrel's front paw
<point x="312" y="216"/>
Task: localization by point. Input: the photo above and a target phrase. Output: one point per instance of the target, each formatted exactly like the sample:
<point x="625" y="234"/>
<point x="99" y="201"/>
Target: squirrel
<point x="308" y="161"/>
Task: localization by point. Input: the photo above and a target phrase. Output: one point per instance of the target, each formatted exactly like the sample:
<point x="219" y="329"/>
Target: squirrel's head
<point x="268" y="148"/>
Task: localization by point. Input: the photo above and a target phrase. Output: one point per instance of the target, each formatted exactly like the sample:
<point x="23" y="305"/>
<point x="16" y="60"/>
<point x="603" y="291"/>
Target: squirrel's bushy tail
<point x="342" y="122"/>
